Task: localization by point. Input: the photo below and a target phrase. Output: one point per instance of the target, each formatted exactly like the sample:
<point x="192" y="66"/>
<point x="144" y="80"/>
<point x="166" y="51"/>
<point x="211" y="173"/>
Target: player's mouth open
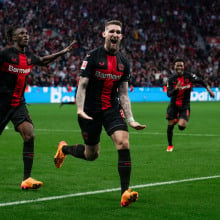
<point x="113" y="41"/>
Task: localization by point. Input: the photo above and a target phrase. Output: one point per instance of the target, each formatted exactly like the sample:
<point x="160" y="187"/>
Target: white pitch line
<point x="130" y="132"/>
<point x="136" y="132"/>
<point x="180" y="134"/>
<point x="105" y="191"/>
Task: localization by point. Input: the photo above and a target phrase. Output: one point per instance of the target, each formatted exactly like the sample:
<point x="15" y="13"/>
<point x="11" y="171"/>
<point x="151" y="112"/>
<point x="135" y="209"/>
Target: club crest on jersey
<point x="84" y="64"/>
<point x="121" y="67"/>
<point x="14" y="60"/>
<point x="186" y="81"/>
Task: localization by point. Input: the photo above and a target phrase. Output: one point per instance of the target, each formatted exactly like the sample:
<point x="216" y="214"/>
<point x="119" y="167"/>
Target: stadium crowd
<point x="155" y="32"/>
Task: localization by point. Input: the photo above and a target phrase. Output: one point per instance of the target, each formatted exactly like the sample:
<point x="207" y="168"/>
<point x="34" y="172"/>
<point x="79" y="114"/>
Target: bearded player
<point x="103" y="84"/>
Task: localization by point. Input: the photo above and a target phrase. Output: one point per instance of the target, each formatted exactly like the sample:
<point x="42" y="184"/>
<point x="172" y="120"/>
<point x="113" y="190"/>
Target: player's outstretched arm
<point x="211" y="93"/>
<point x="126" y="105"/>
<point x="203" y="83"/>
<point x="47" y="59"/>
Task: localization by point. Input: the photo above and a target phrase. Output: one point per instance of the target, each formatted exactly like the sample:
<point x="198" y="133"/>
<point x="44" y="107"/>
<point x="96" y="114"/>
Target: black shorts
<point x="175" y="112"/>
<point x="111" y="119"/>
<point x="17" y="115"/>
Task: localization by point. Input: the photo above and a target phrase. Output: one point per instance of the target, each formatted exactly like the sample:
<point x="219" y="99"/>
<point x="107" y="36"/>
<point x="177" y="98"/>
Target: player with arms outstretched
<point x="16" y="63"/>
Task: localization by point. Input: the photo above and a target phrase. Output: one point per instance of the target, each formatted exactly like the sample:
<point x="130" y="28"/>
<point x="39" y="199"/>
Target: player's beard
<point x="112" y="48"/>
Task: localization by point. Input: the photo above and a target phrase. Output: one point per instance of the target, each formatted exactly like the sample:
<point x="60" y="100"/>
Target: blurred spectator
<point x="156" y="32"/>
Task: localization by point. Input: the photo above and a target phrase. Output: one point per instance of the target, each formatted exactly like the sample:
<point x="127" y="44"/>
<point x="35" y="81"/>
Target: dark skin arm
<point x="47" y="59"/>
<point x="211" y="93"/>
<point x="200" y="81"/>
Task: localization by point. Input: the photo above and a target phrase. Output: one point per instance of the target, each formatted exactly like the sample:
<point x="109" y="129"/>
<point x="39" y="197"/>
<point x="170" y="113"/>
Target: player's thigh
<point x="22" y="115"/>
<point x="172" y="113"/>
<point x="184" y="114"/>
<point x="113" y="121"/>
<point x="91" y="130"/>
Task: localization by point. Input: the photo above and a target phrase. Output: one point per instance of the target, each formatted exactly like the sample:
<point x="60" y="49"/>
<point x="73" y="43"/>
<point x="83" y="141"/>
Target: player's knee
<point x="181" y="127"/>
<point x="123" y="145"/>
<point x="29" y="137"/>
<point x="92" y="156"/>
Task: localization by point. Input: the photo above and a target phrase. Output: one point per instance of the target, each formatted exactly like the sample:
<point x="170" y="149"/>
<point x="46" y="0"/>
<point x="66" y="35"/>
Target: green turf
<point x="196" y="154"/>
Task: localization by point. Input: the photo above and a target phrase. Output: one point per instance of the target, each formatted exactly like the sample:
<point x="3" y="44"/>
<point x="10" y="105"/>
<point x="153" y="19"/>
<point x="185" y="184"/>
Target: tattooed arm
<point x="125" y="101"/>
<point x="126" y="105"/>
<point x="80" y="97"/>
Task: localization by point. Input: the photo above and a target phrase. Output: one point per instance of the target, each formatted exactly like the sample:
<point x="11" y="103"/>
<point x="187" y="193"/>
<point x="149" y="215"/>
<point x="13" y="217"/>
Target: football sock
<point x="75" y="150"/>
<point x="28" y="157"/>
<point x="124" y="168"/>
<point x="181" y="127"/>
<point x="170" y="134"/>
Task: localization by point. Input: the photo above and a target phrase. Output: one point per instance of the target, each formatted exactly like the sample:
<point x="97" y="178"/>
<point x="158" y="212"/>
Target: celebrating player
<point x="179" y="88"/>
<point x="103" y="84"/>
<point x="16" y="63"/>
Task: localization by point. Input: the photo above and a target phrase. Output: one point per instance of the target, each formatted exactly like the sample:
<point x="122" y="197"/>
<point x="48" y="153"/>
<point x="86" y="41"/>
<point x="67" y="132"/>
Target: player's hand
<point x="82" y="114"/>
<point x="212" y="94"/>
<point x="137" y="125"/>
<point x="178" y="85"/>
<point x="70" y="47"/>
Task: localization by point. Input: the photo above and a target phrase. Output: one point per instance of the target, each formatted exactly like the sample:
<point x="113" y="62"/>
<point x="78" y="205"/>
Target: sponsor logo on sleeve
<point x="84" y="64"/>
<point x="121" y="67"/>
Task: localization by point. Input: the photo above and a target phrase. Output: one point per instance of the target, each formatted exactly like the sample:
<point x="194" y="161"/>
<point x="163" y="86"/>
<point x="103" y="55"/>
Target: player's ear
<point x="121" y="36"/>
<point x="103" y="34"/>
<point x="14" y="37"/>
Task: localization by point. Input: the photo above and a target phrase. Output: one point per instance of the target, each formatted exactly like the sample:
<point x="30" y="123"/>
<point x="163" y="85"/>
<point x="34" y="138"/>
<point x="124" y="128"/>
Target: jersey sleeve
<point x="127" y="72"/>
<point x="1" y="57"/>
<point x="195" y="79"/>
<point x="35" y="60"/>
<point x="87" y="65"/>
<point x="170" y="88"/>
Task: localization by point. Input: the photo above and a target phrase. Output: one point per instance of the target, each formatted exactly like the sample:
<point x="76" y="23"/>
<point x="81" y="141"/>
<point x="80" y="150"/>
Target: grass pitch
<point x="183" y="184"/>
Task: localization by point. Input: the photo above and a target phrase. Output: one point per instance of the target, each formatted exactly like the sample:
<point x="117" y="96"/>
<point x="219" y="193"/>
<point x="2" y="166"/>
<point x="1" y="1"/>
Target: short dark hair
<point x="10" y="32"/>
<point x="178" y="59"/>
<point x="116" y="22"/>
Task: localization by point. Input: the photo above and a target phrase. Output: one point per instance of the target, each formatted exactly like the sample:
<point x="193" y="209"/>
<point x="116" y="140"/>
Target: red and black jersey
<point x="105" y="73"/>
<point x="14" y="67"/>
<point x="181" y="97"/>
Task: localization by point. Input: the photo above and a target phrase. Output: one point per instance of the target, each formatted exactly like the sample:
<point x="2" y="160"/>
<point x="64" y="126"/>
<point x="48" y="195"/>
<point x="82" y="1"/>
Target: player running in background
<point x="16" y="63"/>
<point x="69" y="89"/>
<point x="179" y="88"/>
<point x="104" y="77"/>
